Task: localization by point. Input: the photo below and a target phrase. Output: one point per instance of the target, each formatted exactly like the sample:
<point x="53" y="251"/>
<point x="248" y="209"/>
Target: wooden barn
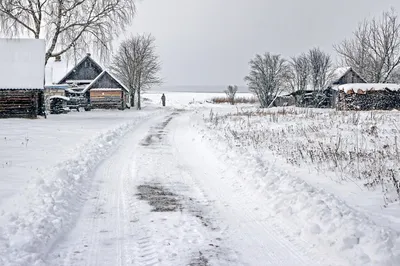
<point x="323" y="97"/>
<point x="98" y="86"/>
<point x="83" y="73"/>
<point x="22" y="68"/>
<point x="369" y="96"/>
<point x="345" y="75"/>
<point x="106" y="92"/>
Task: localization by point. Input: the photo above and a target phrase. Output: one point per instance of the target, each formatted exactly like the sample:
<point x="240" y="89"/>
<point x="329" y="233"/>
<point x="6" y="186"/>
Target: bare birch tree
<point x="374" y="50"/>
<point x="268" y="76"/>
<point x="67" y="24"/>
<point x="137" y="65"/>
<point x="300" y="72"/>
<point x="231" y="93"/>
<point x="320" y="68"/>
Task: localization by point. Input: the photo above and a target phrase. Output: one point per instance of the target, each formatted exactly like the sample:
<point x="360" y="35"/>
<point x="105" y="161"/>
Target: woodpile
<point x="369" y="100"/>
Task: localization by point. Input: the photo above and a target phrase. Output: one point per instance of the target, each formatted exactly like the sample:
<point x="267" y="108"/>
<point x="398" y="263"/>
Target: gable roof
<point x="340" y="72"/>
<point x="87" y="57"/>
<point x="22" y="63"/>
<point x="105" y="72"/>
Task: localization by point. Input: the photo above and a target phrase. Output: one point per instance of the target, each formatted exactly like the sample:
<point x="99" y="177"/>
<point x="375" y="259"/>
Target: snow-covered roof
<point x="102" y="74"/>
<point x="70" y="90"/>
<point x="59" y="97"/>
<point x="364" y="87"/>
<point x="22" y="63"/>
<point x="55" y="71"/>
<point x="106" y="89"/>
<point x="72" y="81"/>
<point x="57" y="86"/>
<point x="339" y="72"/>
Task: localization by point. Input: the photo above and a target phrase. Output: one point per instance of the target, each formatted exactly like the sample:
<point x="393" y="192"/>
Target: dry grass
<point x="355" y="145"/>
<point x="220" y="100"/>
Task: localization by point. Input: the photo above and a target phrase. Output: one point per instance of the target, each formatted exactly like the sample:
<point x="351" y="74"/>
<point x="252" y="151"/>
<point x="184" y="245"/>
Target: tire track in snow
<point x="250" y="223"/>
<point x="193" y="225"/>
<point x="104" y="234"/>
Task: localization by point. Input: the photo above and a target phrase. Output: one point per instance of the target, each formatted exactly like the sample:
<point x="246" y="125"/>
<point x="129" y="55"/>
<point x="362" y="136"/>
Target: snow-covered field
<point x="187" y="99"/>
<point x="332" y="173"/>
<point x="190" y="184"/>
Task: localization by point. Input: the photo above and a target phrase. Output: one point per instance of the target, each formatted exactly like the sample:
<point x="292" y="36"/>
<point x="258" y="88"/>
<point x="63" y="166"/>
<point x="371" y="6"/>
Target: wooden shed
<point x="345" y="75"/>
<point x="106" y="92"/>
<point x="22" y="67"/>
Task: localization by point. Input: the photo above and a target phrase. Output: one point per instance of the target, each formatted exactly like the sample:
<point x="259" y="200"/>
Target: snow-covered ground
<point x="187" y="100"/>
<point x="170" y="186"/>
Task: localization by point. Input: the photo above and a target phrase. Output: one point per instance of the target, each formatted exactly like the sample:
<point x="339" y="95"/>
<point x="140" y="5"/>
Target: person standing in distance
<point x="163" y="99"/>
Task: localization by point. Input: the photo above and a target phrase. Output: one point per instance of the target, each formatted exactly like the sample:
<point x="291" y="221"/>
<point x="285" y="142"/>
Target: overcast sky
<point x="210" y="42"/>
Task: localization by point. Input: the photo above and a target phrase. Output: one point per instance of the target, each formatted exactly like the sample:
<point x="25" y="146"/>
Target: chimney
<point x="89" y="54"/>
<point x="57" y="58"/>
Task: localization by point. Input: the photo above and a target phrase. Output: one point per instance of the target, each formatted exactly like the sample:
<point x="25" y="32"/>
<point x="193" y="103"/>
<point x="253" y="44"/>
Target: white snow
<point x="56" y="70"/>
<point x="106" y="89"/>
<point x="22" y="63"/>
<point x="338" y="73"/>
<point x="338" y="214"/>
<point x="46" y="164"/>
<point x="363" y="87"/>
<point x="73" y="189"/>
<point x="187" y="99"/>
<point x="58" y="97"/>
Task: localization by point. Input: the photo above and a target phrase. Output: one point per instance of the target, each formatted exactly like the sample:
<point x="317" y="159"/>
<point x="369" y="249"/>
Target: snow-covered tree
<point x="268" y="76"/>
<point x="231" y="93"/>
<point x="67" y="25"/>
<point x="374" y="50"/>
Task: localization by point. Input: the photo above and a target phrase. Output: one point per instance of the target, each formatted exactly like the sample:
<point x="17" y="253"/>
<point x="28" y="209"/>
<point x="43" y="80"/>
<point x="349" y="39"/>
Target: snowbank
<point x="54" y="201"/>
<point x="312" y="214"/>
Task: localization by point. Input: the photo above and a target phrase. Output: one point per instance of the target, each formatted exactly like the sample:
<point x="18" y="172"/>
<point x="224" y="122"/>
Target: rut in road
<point x="163" y="198"/>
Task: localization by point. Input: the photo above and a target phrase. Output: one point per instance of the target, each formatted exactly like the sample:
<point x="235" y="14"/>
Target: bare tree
<point x="320" y="68"/>
<point x="67" y="24"/>
<point x="231" y="93"/>
<point x="137" y="65"/>
<point x="268" y="76"/>
<point x="300" y="72"/>
<point x="374" y="50"/>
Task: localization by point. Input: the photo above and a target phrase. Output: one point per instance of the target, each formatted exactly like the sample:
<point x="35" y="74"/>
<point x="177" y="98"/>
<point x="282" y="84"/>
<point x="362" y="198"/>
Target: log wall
<point x="19" y="103"/>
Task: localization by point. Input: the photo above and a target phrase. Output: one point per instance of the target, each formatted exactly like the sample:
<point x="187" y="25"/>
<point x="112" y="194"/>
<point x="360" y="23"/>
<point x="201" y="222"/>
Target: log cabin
<point x="101" y="89"/>
<point x="22" y="68"/>
<point x="106" y="92"/>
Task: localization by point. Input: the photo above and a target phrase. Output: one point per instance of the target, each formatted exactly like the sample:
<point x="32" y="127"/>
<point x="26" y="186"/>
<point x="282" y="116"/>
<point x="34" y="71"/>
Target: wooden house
<point x="345" y="75"/>
<point x="106" y="92"/>
<point x="22" y="68"/>
<point x="83" y="73"/>
<point x="97" y="85"/>
<point x="326" y="97"/>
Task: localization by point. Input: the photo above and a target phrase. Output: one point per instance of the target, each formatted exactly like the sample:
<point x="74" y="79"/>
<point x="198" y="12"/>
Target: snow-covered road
<point x="164" y="198"/>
